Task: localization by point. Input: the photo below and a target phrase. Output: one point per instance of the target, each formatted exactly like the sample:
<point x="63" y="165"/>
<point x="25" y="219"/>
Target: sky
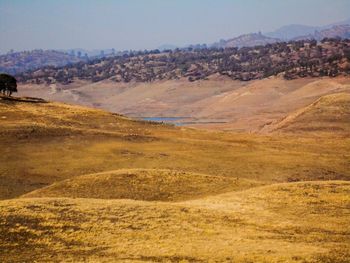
<point x="148" y="24"/>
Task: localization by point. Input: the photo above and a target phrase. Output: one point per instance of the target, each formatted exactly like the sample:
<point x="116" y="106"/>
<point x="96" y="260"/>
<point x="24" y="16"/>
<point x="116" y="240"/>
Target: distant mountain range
<point x="285" y="33"/>
<point x="342" y="31"/>
<point x="17" y="62"/>
<point x="290" y="32"/>
<point x="247" y="40"/>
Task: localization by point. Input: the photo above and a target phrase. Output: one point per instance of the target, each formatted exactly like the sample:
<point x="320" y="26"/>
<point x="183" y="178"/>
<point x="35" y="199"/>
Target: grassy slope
<point x="44" y="143"/>
<point x="141" y="184"/>
<point x="330" y="113"/>
<point x="295" y="222"/>
<point x="48" y="142"/>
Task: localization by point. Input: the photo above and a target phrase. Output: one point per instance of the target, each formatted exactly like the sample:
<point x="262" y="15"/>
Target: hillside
<point x="43" y="143"/>
<point x="18" y="62"/>
<point x="89" y="185"/>
<point x="216" y="103"/>
<point x="290" y="32"/>
<point x="292" y="60"/>
<point x="140" y="184"/>
<point x="328" y="114"/>
<point x="295" y="222"/>
<point x="339" y="31"/>
<point x="126" y="138"/>
<point x="247" y="40"/>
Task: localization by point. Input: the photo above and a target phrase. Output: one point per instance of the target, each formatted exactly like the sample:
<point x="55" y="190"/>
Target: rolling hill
<point x="44" y="142"/>
<point x="247" y="40"/>
<point x="141" y="184"/>
<point x="330" y="114"/>
<point x="285" y="222"/>
<point x="80" y="184"/>
<point x="248" y="159"/>
<point x="218" y="103"/>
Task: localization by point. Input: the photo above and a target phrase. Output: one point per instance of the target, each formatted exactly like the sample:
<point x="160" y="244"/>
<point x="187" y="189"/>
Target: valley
<point x="230" y="143"/>
<point x="218" y="103"/>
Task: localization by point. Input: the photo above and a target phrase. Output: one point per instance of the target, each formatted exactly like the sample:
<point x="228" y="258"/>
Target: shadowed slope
<point x="295" y="222"/>
<point x="137" y="184"/>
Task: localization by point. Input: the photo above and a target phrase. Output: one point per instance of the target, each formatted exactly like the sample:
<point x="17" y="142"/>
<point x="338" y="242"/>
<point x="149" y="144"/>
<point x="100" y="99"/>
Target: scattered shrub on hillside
<point x="295" y="59"/>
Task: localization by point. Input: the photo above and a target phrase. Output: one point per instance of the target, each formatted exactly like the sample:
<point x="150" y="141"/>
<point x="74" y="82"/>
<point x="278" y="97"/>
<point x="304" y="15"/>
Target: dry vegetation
<point x="328" y="114"/>
<point x="141" y="184"/>
<point x="169" y="194"/>
<point x="295" y="222"/>
<point x="42" y="143"/>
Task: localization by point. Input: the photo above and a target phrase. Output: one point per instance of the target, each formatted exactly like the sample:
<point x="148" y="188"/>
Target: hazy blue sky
<point x="139" y="24"/>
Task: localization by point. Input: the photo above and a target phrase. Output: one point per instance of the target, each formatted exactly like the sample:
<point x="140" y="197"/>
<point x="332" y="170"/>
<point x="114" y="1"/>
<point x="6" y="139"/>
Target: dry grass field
<point x="84" y="185"/>
<point x="294" y="222"/>
<point x="329" y="113"/>
<point x="141" y="184"/>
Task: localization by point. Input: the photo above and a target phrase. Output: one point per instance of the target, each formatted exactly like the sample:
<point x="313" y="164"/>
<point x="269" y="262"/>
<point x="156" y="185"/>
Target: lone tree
<point x="8" y="84"/>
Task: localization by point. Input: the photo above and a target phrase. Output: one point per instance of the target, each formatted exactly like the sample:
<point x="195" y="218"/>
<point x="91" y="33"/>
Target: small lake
<point x="163" y="119"/>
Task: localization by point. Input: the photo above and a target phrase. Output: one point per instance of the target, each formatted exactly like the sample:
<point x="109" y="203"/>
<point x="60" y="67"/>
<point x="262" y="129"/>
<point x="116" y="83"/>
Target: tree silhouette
<point x="8" y="84"/>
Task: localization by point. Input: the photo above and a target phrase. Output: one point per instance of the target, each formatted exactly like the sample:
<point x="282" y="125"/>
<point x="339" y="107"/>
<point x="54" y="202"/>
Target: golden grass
<point x="49" y="142"/>
<point x="330" y="114"/>
<point x="142" y="184"/>
<point x="294" y="222"/>
<point x="57" y="150"/>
